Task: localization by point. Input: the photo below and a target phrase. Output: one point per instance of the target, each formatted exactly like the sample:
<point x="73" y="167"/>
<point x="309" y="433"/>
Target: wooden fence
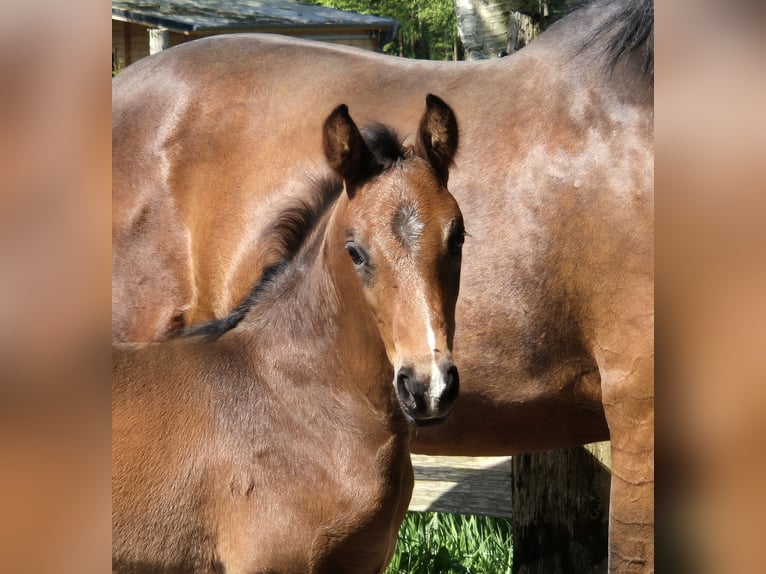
<point x="474" y="485"/>
<point x="558" y="502"/>
<point x="462" y="485"/>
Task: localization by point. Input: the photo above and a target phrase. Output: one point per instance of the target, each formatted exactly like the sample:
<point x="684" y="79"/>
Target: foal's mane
<point x="289" y="232"/>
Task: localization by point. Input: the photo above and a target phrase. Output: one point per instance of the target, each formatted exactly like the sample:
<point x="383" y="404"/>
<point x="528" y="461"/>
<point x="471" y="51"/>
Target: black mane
<point x="384" y="144"/>
<point x="294" y="225"/>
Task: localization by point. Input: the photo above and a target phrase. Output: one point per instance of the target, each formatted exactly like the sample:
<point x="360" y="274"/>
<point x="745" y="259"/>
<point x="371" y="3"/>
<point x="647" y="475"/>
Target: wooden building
<point x="143" y="27"/>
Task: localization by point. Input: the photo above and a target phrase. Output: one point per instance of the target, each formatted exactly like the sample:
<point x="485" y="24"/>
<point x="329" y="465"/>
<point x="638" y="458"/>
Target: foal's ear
<point x="437" y="136"/>
<point x="345" y="149"/>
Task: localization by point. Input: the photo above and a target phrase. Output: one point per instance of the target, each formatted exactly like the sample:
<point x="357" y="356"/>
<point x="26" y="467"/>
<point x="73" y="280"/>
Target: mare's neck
<point x="586" y="43"/>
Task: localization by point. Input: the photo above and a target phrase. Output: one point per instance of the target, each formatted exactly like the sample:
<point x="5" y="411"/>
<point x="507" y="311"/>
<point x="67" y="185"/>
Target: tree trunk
<point x="561" y="511"/>
<point x="483" y="27"/>
<point x="489" y="28"/>
<point x="522" y="28"/>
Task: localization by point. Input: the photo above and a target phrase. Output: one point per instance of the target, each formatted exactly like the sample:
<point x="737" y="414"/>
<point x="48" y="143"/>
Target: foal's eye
<point x="356" y="254"/>
<point x="455" y="241"/>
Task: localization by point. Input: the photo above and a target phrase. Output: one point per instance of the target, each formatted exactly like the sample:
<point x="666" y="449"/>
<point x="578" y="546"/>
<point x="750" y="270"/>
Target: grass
<point x="436" y="543"/>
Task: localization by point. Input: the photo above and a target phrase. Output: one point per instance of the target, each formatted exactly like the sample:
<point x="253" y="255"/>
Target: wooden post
<point x="159" y="39"/>
<point x="561" y="511"/>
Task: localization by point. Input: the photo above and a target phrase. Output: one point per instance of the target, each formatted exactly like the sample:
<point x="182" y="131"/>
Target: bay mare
<point x="276" y="439"/>
<point x="555" y="178"/>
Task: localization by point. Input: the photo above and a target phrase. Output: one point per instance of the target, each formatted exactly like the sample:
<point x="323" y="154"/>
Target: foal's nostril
<point x="405" y="385"/>
<point x="410" y="390"/>
<point x="419" y="395"/>
<point x="402" y="380"/>
<point x="452" y="385"/>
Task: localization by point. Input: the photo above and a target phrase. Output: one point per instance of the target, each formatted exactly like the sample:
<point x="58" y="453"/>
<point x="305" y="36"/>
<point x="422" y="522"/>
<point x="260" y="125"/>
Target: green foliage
<point x="427" y="28"/>
<point x="435" y="543"/>
<point x="117" y="65"/>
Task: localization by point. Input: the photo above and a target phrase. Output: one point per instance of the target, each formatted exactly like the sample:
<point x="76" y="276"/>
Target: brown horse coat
<point x="275" y="439"/>
<point x="555" y="178"/>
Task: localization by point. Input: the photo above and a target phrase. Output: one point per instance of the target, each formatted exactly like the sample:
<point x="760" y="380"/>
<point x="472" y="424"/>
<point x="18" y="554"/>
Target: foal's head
<point x="404" y="236"/>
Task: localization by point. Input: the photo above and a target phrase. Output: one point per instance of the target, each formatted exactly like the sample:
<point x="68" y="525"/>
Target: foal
<point x="276" y="439"/>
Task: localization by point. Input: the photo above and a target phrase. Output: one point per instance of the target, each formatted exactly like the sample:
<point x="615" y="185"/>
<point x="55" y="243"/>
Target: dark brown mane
<point x="628" y="27"/>
<point x="635" y="29"/>
<point x="292" y="227"/>
<point x="289" y="232"/>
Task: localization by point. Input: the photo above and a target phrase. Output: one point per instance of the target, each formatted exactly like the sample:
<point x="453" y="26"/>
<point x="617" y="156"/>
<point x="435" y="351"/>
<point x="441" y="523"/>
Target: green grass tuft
<point x="436" y="543"/>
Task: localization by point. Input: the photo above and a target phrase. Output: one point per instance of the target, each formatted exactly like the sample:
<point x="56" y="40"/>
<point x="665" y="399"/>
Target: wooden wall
<point x="130" y="42"/>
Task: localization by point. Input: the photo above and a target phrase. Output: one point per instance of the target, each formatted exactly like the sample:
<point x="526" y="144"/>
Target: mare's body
<point x="555" y="337"/>
<point x="276" y="439"/>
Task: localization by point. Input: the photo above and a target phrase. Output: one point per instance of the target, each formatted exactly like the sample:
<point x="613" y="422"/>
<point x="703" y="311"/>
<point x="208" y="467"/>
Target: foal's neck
<point x="319" y="309"/>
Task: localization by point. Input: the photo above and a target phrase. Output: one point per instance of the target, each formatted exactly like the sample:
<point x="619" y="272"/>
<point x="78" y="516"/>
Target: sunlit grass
<point x="436" y="543"/>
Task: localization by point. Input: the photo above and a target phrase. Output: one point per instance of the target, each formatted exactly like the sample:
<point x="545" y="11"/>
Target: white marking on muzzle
<point x="438" y="384"/>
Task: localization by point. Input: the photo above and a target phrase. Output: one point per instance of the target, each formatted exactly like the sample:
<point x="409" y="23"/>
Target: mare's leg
<point x="627" y="371"/>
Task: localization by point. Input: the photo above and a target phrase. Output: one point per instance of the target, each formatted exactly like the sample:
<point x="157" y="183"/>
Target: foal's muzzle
<point x="427" y="397"/>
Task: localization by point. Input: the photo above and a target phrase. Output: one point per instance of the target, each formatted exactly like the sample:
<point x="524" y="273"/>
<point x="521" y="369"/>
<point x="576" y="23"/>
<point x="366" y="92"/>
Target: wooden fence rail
<point x="473" y="485"/>
<point x="462" y="485"/>
<point x="558" y="502"/>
